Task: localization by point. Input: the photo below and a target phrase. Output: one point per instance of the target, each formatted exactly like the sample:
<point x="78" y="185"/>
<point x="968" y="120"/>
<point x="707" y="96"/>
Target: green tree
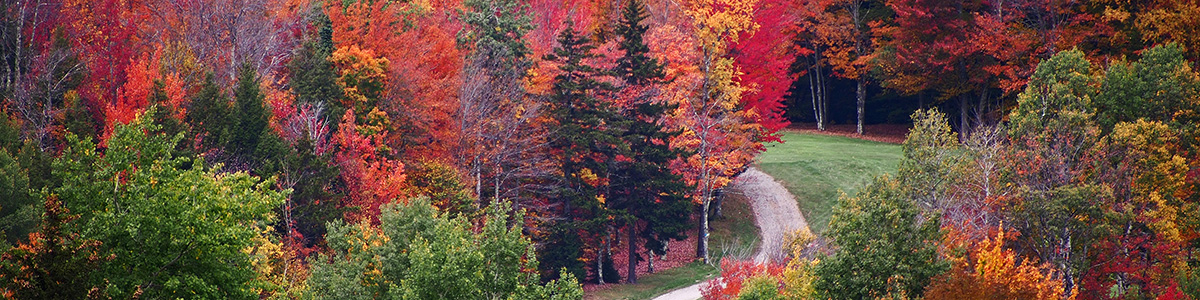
<point x="1054" y="133"/>
<point x="18" y="206"/>
<point x="314" y="79"/>
<point x="418" y="253"/>
<point x="315" y="196"/>
<point x="652" y="198"/>
<point x="249" y="115"/>
<point x="1161" y="86"/>
<point x="586" y="142"/>
<point x="760" y="288"/>
<point x="931" y="153"/>
<point x="172" y="232"/>
<point x="885" y="246"/>
<point x="209" y="116"/>
<point x="441" y="183"/>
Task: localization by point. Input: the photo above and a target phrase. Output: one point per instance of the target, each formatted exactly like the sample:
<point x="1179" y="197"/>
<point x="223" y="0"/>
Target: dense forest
<point x="508" y="149"/>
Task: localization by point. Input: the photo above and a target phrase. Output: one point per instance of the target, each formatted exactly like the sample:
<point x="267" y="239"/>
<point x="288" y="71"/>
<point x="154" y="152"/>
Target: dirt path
<point x="775" y="214"/>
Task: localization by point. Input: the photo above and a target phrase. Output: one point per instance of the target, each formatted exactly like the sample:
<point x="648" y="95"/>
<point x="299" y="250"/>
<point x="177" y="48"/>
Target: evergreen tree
<point x="76" y="118"/>
<point x="652" y="197"/>
<point x="314" y="79"/>
<point x="164" y="117"/>
<point x="636" y="67"/>
<point x="250" y="115"/>
<point x="209" y="116"/>
<point x="586" y="140"/>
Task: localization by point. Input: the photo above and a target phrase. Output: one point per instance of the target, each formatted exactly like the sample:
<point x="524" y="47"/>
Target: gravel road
<point x="775" y="214"/>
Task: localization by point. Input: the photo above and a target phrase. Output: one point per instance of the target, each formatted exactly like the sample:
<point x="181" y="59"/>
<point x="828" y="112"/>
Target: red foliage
<point x="1144" y="261"/>
<point x="765" y="58"/>
<point x="733" y="274"/>
<point x="133" y="97"/>
<point x="371" y="178"/>
<point x="106" y="35"/>
<point x="423" y="76"/>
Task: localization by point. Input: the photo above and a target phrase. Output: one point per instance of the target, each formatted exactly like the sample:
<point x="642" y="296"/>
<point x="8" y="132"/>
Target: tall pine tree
<point x="644" y="188"/>
<point x="586" y="141"/>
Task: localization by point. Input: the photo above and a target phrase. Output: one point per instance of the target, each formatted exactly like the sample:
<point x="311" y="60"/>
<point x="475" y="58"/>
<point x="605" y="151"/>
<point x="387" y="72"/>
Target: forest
<point x="513" y="149"/>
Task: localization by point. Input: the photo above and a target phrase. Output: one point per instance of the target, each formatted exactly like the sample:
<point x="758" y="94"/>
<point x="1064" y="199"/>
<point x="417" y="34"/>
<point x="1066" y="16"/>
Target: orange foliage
<point x="422" y="77"/>
<point x="133" y="96"/>
<point x="991" y="272"/>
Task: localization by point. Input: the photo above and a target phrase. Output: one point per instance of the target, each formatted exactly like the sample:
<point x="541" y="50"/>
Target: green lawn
<point x="735" y="230"/>
<point x="815" y="167"/>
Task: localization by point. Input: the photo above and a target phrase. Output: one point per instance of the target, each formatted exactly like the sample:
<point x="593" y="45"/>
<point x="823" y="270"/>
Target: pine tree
<point x="586" y="141"/>
<point x="636" y="67"/>
<point x="209" y="116"/>
<point x="250" y="114"/>
<point x="314" y="79"/>
<point x="651" y="197"/>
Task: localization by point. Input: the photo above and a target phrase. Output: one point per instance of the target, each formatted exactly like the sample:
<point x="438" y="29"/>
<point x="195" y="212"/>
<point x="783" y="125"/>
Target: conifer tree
<point x="249" y="114"/>
<point x="586" y="141"/>
<point x="209" y="116"/>
<point x="651" y="197"/>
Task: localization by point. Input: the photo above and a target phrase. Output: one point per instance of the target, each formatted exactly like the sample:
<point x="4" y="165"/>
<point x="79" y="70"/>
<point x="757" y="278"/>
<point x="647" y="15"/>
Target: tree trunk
<point x="963" y="126"/>
<point x="702" y="250"/>
<point x="812" y="89"/>
<point x="631" y="276"/>
<point x="600" y="261"/>
<point x="861" y="94"/>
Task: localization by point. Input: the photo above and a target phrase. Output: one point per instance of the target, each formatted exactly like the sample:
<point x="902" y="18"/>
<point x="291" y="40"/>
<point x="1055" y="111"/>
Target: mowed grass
<point x="735" y="232"/>
<point x="816" y="167"/>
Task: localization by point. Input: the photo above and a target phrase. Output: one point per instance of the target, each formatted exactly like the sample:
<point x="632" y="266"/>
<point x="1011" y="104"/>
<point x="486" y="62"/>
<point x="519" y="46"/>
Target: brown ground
<point x="887" y="133"/>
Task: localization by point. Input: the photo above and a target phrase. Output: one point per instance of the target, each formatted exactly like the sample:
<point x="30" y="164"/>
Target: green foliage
<point x="494" y="30"/>
<point x="441" y="183"/>
<point x="10" y="133"/>
<point x="931" y="152"/>
<point x="18" y="206"/>
<point x="314" y="79"/>
<point x="314" y="181"/>
<point x="419" y="253"/>
<point x="1054" y="134"/>
<point x="164" y="116"/>
<point x="760" y="288"/>
<point x="173" y="232"/>
<point x="76" y="118"/>
<point x="636" y="66"/>
<point x="209" y="115"/>
<point x="885" y="246"/>
<point x="1161" y="86"/>
<point x="249" y="114"/>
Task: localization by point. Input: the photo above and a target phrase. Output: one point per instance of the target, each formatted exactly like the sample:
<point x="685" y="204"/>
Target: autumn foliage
<point x="990" y="271"/>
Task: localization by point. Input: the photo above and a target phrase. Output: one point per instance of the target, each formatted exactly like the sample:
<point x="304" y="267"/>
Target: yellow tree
<point x="988" y="271"/>
<point x="719" y="133"/>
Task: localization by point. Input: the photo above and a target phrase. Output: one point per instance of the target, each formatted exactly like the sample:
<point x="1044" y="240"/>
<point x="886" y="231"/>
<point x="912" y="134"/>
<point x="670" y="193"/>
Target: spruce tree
<point x="209" y="116"/>
<point x="586" y="141"/>
<point x="250" y="115"/>
<point x="644" y="188"/>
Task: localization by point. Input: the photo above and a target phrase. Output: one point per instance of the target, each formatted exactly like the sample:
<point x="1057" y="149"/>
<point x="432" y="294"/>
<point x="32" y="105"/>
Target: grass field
<point x="734" y="234"/>
<point x="815" y="167"/>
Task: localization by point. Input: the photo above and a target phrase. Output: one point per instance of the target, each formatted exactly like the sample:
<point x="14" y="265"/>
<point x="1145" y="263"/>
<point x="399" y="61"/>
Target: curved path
<point x="775" y="213"/>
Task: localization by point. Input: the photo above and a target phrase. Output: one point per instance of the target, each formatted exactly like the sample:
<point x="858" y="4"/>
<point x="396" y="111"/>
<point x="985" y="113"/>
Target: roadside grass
<point x="733" y="234"/>
<point x="816" y="167"/>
